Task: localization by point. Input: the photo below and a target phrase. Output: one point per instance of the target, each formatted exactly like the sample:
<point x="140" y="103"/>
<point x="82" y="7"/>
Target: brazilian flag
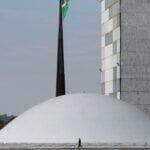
<point x="65" y="6"/>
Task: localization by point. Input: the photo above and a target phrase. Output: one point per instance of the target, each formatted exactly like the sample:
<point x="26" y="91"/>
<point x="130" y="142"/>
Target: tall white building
<point x="125" y="50"/>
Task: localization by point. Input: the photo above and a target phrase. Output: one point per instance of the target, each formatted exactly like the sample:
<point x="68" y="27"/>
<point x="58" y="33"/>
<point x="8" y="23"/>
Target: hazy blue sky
<point x="28" y="46"/>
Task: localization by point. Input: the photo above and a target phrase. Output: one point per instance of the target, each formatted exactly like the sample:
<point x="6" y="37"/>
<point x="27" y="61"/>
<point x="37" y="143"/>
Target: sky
<point x="28" y="50"/>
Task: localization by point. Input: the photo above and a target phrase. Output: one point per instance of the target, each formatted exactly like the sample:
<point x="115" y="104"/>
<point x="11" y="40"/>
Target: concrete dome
<point x="92" y="118"/>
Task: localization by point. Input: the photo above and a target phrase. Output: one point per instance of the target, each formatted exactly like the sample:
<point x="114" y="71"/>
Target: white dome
<point x="92" y="118"/>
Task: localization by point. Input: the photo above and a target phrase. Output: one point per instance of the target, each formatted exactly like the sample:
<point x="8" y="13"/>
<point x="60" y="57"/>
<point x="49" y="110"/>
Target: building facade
<point x="125" y="51"/>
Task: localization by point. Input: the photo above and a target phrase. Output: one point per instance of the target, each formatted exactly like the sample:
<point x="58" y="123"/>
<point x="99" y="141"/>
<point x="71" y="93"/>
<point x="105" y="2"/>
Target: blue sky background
<point x="28" y="46"/>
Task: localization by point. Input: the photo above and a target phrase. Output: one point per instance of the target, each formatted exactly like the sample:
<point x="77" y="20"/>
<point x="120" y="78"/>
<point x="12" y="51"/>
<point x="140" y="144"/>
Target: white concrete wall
<point x="110" y="47"/>
<point x="135" y="52"/>
<point x="126" y="26"/>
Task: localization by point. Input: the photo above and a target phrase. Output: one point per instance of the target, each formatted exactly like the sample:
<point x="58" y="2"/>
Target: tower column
<point x="60" y="80"/>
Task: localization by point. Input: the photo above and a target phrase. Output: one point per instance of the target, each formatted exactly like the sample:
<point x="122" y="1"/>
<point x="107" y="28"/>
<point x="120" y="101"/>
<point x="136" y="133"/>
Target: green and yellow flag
<point x="64" y="5"/>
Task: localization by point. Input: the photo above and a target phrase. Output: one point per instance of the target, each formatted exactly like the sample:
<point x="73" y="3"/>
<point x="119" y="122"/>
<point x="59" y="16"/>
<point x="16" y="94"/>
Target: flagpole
<point x="60" y="79"/>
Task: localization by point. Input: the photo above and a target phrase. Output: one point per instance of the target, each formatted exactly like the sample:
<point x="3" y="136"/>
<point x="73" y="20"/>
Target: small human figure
<point x="79" y="143"/>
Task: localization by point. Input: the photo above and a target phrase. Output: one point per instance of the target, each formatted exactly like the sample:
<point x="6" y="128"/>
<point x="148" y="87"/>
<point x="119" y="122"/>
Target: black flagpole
<point x="60" y="81"/>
